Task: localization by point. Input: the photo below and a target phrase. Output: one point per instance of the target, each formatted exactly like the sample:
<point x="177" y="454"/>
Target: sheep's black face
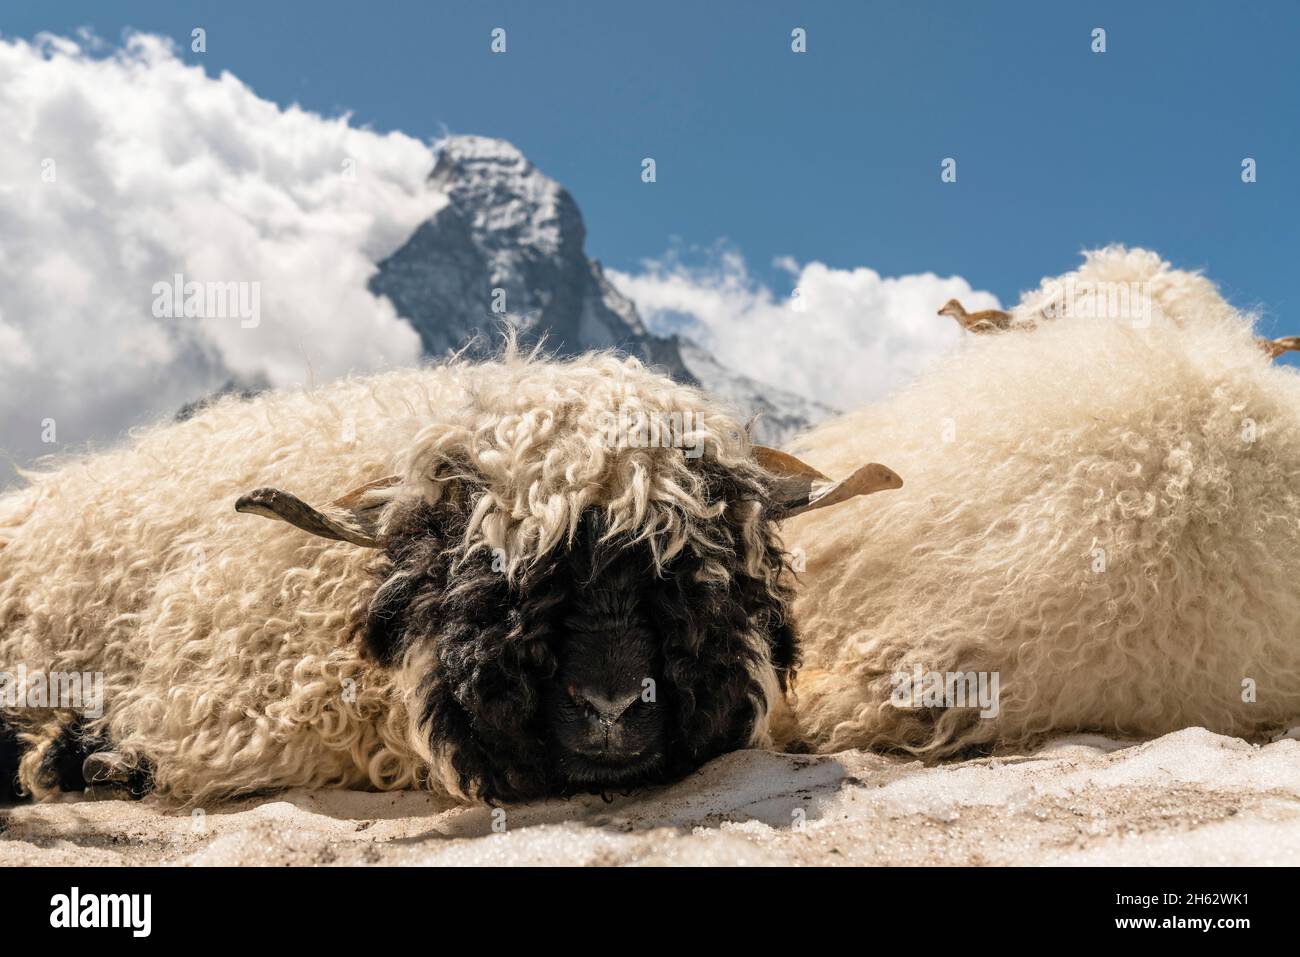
<point x="601" y="710"/>
<point x="589" y="672"/>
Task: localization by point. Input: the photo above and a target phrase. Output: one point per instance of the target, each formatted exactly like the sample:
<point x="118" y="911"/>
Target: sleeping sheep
<point x="1101" y="528"/>
<point x="550" y="577"/>
<point x="533" y="578"/>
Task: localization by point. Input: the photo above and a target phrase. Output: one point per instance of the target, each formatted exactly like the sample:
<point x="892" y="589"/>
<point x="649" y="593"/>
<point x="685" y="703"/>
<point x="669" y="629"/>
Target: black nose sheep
<point x="550" y="577"/>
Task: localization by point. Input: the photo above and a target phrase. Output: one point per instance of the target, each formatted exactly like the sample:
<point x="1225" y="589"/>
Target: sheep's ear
<point x="355" y="516"/>
<point x="1275" y="347"/>
<point x="798" y="487"/>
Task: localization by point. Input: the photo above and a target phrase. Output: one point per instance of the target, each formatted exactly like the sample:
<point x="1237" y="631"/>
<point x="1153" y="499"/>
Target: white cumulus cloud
<point x="840" y="336"/>
<point x="118" y="172"/>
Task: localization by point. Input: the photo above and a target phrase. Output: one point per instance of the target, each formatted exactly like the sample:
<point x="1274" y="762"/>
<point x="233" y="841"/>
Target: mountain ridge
<point x="508" y="248"/>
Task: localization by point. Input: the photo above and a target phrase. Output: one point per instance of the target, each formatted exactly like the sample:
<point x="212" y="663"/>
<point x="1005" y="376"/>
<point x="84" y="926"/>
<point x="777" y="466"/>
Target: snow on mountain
<point x="508" y="247"/>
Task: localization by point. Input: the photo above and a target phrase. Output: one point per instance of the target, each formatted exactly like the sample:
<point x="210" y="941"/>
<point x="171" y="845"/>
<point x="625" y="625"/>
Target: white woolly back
<point x="1107" y="516"/>
<point x="223" y="637"/>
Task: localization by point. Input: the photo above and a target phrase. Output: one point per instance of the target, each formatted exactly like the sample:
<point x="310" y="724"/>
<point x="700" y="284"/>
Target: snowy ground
<point x="1188" y="798"/>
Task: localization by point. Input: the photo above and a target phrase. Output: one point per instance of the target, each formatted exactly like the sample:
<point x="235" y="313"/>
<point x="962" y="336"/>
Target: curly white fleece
<point x="1107" y="515"/>
<point x="224" y="638"/>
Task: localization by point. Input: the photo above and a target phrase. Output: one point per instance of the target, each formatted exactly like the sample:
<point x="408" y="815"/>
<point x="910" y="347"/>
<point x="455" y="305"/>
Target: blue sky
<point x="832" y="155"/>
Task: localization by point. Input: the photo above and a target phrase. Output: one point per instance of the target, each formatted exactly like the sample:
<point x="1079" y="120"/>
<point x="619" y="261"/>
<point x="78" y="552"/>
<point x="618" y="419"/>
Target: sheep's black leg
<point x="81" y="762"/>
<point x="9" y="753"/>
<point x="109" y="778"/>
<point x="61" y="765"/>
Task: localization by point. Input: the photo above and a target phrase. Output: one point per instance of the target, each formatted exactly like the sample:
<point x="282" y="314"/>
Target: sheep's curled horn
<point x="796" y="487"/>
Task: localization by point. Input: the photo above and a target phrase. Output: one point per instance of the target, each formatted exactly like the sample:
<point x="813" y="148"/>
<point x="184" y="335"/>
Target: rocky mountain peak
<point x="512" y="238"/>
<point x="508" y="204"/>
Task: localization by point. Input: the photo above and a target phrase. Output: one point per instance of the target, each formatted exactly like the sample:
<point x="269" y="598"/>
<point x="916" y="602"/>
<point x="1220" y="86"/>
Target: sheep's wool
<point x="225" y="639"/>
<point x="1104" y="512"/>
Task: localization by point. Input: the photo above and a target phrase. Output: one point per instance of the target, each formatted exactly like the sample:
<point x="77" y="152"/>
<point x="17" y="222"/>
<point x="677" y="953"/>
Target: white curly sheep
<point x="561" y="576"/>
<point x="1102" y="517"/>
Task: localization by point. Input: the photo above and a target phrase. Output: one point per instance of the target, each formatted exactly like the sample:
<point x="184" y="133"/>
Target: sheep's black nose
<point x="606" y="710"/>
<point x="605" y="733"/>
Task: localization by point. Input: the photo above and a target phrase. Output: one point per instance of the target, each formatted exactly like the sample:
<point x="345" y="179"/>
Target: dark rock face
<point x="508" y="247"/>
<point x="245" y="390"/>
